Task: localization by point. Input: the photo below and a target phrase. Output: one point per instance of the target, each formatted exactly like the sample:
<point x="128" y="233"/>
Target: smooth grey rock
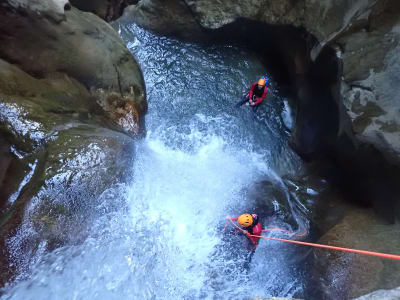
<point x="382" y="295"/>
<point x="106" y="9"/>
<point x="49" y="8"/>
<point x="82" y="46"/>
<point x="345" y="275"/>
<point x="166" y="17"/>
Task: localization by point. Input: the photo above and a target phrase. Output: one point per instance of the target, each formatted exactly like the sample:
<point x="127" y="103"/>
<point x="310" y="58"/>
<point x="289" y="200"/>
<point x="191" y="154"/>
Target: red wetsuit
<point x="259" y="94"/>
<point x="254" y="229"/>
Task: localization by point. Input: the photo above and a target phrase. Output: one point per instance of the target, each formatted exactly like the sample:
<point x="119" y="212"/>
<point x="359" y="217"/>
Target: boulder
<point x="166" y="17"/>
<point x="371" y="65"/>
<point x="79" y="45"/>
<point x="382" y="295"/>
<point x="343" y="275"/>
<point x="108" y="10"/>
<point x="71" y="99"/>
<point x="62" y="44"/>
<point x="72" y="177"/>
<point x="61" y="150"/>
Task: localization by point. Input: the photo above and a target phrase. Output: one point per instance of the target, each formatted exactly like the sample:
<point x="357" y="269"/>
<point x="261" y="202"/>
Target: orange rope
<point x="370" y="253"/>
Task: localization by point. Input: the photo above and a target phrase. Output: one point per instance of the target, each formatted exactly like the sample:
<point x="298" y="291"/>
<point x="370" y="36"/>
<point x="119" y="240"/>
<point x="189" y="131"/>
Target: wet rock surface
<point x="106" y="9"/>
<point x="158" y="15"/>
<point x="332" y="220"/>
<point x="79" y="45"/>
<point x="65" y="190"/>
<point x="345" y="275"/>
<point x="59" y="145"/>
<point x="382" y="295"/>
<point x="61" y="149"/>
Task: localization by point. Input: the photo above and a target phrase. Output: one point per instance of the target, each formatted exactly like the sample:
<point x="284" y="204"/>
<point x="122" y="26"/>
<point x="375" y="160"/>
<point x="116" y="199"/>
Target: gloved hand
<point x="253" y="102"/>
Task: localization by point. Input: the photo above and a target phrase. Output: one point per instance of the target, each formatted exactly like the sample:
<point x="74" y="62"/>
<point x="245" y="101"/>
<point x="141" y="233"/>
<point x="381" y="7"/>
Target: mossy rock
<point x="31" y="109"/>
<point x="57" y="123"/>
<point x="65" y="148"/>
<point x="86" y="153"/>
<point x="65" y="152"/>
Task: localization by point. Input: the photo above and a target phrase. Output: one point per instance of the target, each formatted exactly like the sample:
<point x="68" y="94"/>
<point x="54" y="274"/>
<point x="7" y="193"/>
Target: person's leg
<point x="243" y="101"/>
<point x="247" y="262"/>
<point x="251" y="256"/>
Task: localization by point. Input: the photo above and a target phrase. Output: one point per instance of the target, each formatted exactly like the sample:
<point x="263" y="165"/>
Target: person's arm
<point x="261" y="99"/>
<point x="244" y="232"/>
<point x="255" y="219"/>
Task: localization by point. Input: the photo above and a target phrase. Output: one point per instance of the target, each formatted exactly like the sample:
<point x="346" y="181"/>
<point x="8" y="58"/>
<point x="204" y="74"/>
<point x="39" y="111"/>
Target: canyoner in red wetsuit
<point x="251" y="226"/>
<point x="256" y="95"/>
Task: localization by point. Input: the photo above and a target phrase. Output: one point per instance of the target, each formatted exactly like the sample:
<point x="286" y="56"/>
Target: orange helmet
<point x="245" y="220"/>
<point x="261" y="81"/>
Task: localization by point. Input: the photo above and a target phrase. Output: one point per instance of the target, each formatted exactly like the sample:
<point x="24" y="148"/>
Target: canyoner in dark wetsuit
<point x="256" y="95"/>
<point x="251" y="226"/>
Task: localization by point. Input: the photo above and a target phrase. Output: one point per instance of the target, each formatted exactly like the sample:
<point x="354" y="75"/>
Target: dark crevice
<point x="286" y="54"/>
<point x="283" y="48"/>
<point x="67" y="6"/>
<point x="119" y="81"/>
<point x="109" y="10"/>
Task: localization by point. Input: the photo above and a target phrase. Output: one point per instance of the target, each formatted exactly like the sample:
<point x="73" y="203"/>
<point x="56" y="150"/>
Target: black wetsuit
<point x="255" y="222"/>
<point x="251" y="245"/>
<point x="256" y="94"/>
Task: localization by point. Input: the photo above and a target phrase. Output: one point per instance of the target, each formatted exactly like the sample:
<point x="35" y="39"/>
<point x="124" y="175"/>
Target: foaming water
<point x="164" y="239"/>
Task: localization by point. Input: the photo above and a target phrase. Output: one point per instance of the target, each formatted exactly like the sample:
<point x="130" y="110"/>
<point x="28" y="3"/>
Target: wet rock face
<point x="108" y="10"/>
<point x="80" y="45"/>
<point x="346" y="276"/>
<point x="61" y="147"/>
<point x="44" y="40"/>
<point x="52" y="9"/>
<point x="371" y="75"/>
<point x="60" y="150"/>
<point x="167" y="17"/>
<point x="382" y="295"/>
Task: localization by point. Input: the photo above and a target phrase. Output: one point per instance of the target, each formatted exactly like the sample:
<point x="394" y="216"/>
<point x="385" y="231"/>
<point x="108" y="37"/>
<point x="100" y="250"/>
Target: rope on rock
<point x="370" y="253"/>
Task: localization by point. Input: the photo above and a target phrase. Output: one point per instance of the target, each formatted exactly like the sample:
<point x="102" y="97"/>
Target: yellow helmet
<point x="245" y="220"/>
<point x="261" y="81"/>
